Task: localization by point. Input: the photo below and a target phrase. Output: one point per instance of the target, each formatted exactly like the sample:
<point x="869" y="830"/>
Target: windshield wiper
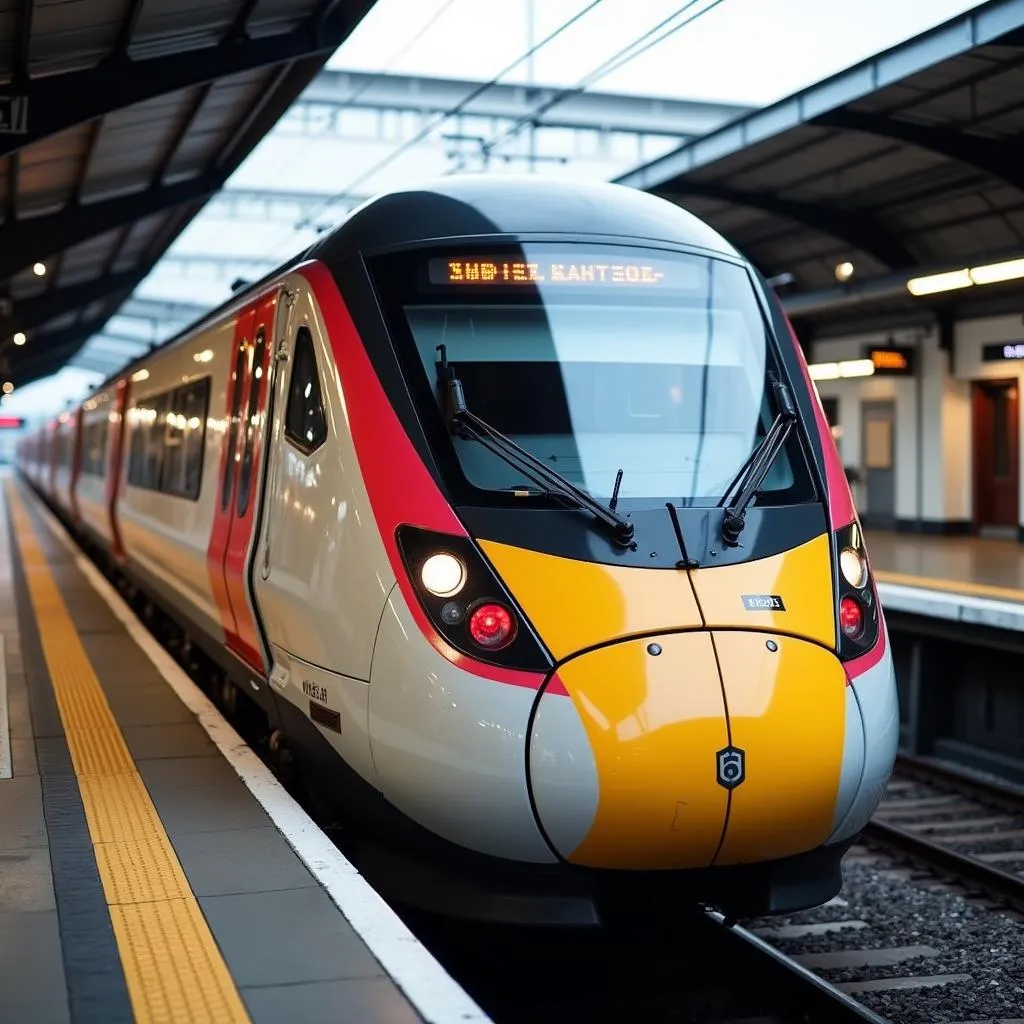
<point x="460" y="418"/>
<point x="752" y="473"/>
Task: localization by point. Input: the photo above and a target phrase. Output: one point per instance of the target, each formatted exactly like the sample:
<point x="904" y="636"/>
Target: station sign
<point x="13" y="115"/>
<point x="890" y="361"/>
<point x="998" y="351"/>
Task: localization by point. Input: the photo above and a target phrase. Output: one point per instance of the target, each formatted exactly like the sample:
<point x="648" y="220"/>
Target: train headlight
<point x="858" y="617"/>
<point x="466" y="602"/>
<point x="443" y="574"/>
<point x="853" y="567"/>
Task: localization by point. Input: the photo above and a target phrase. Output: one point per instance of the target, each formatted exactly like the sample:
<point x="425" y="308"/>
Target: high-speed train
<point x="512" y="507"/>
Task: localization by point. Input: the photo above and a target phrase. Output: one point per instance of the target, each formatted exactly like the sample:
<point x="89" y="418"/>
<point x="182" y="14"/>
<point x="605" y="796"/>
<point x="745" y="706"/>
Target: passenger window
<point x="185" y="440"/>
<point x="94" y="448"/>
<point x="236" y="405"/>
<point x="305" y="423"/>
<point x="255" y="391"/>
<point x="148" y="425"/>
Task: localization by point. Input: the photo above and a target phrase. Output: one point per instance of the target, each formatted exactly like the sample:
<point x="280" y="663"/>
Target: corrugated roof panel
<point x="48" y="172"/>
<point x="272" y="16"/>
<point x="88" y="260"/>
<point x="73" y="35"/>
<point x="225" y="105"/>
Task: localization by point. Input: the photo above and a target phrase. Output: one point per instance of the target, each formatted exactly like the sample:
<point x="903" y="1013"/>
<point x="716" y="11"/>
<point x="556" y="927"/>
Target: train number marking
<point x="732" y="767"/>
<point x="315" y="691"/>
<point x="763" y="603"/>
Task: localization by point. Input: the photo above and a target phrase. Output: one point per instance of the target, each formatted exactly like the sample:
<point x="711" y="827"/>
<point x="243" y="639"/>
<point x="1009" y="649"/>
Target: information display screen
<point x="566" y="270"/>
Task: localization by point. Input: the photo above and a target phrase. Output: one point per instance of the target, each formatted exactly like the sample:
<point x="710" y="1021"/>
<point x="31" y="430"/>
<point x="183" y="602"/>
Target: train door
<point x="879" y="458"/>
<point x="319" y="582"/>
<point x="995" y="416"/>
<point x="234" y="525"/>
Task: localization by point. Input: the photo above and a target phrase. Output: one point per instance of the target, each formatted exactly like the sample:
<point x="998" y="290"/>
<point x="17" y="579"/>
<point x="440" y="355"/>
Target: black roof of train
<point x="513" y="206"/>
<point x="469" y="206"/>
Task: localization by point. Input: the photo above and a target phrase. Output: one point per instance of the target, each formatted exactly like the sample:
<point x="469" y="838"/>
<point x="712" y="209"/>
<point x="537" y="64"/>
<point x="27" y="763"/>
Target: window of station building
<point x="259" y="373"/>
<point x="185" y="439"/>
<point x="94" y="447"/>
<point x="305" y="424"/>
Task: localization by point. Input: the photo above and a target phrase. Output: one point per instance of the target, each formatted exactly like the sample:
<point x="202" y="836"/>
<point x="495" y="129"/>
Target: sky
<point x="743" y="51"/>
<point x="749" y="52"/>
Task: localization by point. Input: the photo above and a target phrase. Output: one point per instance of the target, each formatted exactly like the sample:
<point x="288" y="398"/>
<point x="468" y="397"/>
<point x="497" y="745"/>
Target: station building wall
<point x="931" y="486"/>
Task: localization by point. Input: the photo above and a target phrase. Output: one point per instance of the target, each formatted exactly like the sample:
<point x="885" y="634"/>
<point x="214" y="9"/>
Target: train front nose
<point x="623" y="755"/>
<point x="688" y="750"/>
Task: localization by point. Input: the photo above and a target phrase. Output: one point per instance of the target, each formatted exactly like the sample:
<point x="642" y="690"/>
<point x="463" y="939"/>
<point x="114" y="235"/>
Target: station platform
<point x="967" y="579"/>
<point x="151" y="867"/>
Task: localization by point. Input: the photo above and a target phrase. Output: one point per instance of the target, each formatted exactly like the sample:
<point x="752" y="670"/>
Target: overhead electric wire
<point x="613" y="63"/>
<point x="450" y="112"/>
<point x="350" y="100"/>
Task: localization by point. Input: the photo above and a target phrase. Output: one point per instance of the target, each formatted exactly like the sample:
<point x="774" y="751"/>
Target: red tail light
<point x="851" y="618"/>
<point x="491" y="626"/>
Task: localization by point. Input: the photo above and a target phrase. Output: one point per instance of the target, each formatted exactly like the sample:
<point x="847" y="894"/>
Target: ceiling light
<point x="39" y="269"/>
<point x="940" y="282"/>
<point x="992" y="273"/>
<point x="823" y="371"/>
<point x="8" y="387"/>
<point x="19" y="338"/>
<point x="845" y="368"/>
<point x="856" y="368"/>
<point x="844" y="271"/>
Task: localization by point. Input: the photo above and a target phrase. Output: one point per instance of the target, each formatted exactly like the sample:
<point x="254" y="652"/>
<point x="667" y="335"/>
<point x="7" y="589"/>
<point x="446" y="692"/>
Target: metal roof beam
<point x="55" y="103"/>
<point x="999" y="157"/>
<point x="22" y="242"/>
<point x="31" y="313"/>
<point x="854" y="227"/>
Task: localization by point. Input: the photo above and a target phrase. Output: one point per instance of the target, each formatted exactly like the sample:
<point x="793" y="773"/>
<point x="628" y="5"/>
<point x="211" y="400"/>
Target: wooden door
<point x="995" y="415"/>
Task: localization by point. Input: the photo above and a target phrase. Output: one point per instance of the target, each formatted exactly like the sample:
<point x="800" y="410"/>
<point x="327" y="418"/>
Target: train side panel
<point x="174" y="430"/>
<point x="321" y="574"/>
<point x="94" y="471"/>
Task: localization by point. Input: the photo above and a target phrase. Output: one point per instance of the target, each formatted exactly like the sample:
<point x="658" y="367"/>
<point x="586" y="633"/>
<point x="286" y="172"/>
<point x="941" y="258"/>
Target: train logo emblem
<point x="732" y="767"/>
<point x="763" y="603"/>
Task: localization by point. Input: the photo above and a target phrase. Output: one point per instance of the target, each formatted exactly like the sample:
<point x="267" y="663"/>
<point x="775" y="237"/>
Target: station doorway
<point x="878" y="444"/>
<point x="995" y="411"/>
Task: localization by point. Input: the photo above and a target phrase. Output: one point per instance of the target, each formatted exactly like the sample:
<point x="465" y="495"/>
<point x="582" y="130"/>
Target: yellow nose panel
<point x="654" y="725"/>
<point x="574" y="605"/>
<point x="787" y="712"/>
<point x="801" y="578"/>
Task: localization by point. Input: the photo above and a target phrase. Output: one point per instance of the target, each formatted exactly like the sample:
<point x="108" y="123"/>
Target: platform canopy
<point x="905" y="165"/>
<point x="118" y="120"/>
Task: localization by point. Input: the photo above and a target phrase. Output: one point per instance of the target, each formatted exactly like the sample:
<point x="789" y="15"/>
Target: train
<point x="511" y="509"/>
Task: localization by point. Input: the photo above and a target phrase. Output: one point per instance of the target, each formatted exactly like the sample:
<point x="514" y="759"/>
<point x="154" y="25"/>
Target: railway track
<point x="967" y="826"/>
<point x="697" y="970"/>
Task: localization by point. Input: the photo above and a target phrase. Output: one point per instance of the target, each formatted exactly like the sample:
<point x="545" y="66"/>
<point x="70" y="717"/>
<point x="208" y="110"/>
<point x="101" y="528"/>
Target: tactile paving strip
<point x="172" y="965"/>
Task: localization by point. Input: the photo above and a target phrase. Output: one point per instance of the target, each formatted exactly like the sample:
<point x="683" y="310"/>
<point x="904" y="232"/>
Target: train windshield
<point x="594" y="360"/>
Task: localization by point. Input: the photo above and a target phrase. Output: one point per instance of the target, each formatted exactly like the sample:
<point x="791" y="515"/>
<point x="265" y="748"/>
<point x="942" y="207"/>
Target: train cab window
<point x="259" y="371"/>
<point x="305" y="424"/>
<point x="236" y="405"/>
<point x="594" y="360"/>
<point x="184" y="440"/>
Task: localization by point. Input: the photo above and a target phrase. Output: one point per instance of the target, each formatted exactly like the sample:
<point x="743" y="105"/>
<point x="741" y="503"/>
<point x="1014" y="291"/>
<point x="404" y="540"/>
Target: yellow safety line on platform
<point x="172" y="965"/>
<point x="952" y="586"/>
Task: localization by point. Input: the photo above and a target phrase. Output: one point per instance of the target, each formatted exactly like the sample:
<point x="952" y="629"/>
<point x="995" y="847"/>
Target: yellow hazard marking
<point x="172" y="965"/>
